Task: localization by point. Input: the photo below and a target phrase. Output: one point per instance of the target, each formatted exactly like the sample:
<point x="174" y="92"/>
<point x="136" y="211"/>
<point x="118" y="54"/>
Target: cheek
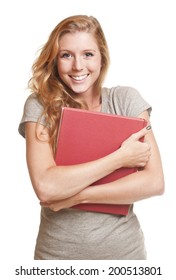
<point x="96" y="66"/>
<point x="62" y="68"/>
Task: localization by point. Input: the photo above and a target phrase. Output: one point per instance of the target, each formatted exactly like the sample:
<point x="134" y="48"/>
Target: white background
<point x="141" y="39"/>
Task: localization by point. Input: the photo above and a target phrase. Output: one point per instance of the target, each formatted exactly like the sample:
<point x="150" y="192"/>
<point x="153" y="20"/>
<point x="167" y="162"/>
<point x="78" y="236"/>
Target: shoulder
<point x="121" y="92"/>
<point x="125" y="100"/>
<point x="32" y="112"/>
<point x="32" y="104"/>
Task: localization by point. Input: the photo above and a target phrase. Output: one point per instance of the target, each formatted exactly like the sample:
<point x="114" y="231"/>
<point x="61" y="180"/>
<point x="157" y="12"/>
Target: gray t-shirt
<point x="72" y="234"/>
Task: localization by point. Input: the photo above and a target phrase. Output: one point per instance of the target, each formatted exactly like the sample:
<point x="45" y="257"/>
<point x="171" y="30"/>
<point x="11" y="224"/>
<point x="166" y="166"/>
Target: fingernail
<point x="148" y="127"/>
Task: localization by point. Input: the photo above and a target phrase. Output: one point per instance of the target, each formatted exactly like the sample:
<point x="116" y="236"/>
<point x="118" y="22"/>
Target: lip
<point x="79" y="78"/>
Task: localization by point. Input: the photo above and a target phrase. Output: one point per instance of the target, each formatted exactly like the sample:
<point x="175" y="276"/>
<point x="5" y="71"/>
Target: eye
<point x="88" y="54"/>
<point x="66" y="55"/>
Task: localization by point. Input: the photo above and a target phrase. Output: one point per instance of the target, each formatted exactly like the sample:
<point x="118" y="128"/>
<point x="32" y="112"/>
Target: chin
<point x="79" y="91"/>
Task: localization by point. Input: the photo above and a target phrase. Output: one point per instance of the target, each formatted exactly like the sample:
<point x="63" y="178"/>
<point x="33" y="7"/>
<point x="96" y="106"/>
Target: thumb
<point x="141" y="133"/>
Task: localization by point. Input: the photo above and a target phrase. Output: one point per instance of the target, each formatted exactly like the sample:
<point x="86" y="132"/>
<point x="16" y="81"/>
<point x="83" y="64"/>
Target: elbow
<point x="46" y="191"/>
<point x="160" y="189"/>
<point x="158" y="185"/>
<point x="42" y="191"/>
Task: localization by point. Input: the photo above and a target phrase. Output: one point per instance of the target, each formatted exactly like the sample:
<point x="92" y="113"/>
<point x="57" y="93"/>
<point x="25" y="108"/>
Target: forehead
<point x="78" y="40"/>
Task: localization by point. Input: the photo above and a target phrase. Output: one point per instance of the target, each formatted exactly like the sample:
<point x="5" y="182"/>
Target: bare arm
<point x="137" y="186"/>
<point x="53" y="182"/>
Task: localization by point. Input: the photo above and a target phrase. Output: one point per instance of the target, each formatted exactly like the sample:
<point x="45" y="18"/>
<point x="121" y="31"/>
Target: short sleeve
<point x="126" y="101"/>
<point x="32" y="113"/>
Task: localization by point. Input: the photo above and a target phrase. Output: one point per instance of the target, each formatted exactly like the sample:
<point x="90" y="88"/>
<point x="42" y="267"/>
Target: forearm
<point x="127" y="190"/>
<point x="61" y="182"/>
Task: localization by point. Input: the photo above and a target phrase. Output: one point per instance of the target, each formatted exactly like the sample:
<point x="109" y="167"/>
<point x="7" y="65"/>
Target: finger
<point x="141" y="133"/>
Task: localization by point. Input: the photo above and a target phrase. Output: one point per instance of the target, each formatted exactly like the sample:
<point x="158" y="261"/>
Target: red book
<point x="86" y="136"/>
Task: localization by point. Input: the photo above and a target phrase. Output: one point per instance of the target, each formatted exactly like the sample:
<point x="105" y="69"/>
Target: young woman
<point x="69" y="72"/>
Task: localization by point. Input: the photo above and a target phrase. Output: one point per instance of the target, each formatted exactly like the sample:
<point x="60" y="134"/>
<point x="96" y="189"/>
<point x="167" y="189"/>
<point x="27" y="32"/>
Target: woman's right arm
<point x="51" y="182"/>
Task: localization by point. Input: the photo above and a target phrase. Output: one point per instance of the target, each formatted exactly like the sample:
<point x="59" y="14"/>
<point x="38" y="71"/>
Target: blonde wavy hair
<point x="46" y="83"/>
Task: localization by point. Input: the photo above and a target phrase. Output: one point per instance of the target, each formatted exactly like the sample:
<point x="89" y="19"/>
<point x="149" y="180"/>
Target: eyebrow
<point x="87" y="50"/>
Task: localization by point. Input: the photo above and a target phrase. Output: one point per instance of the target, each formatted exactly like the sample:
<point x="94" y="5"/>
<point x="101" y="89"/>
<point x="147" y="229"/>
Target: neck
<point x="94" y="104"/>
<point x="93" y="101"/>
<point x="95" y="107"/>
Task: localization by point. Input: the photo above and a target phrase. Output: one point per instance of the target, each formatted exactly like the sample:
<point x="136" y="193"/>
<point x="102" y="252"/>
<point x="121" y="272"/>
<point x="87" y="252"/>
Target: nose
<point x="78" y="64"/>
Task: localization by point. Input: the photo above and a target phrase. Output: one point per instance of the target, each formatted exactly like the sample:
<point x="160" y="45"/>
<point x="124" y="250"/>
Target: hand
<point x="136" y="153"/>
<point x="60" y="204"/>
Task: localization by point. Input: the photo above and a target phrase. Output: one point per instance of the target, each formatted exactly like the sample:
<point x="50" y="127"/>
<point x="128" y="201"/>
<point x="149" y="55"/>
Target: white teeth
<point x="79" y="78"/>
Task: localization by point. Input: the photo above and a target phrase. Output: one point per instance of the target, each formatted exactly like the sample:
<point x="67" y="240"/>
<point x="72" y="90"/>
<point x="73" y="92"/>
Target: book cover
<point x="86" y="136"/>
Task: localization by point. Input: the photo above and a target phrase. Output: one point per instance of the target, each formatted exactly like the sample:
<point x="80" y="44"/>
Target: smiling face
<point x="79" y="62"/>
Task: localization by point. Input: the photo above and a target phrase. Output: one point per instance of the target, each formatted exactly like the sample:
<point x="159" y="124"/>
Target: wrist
<point x="118" y="158"/>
